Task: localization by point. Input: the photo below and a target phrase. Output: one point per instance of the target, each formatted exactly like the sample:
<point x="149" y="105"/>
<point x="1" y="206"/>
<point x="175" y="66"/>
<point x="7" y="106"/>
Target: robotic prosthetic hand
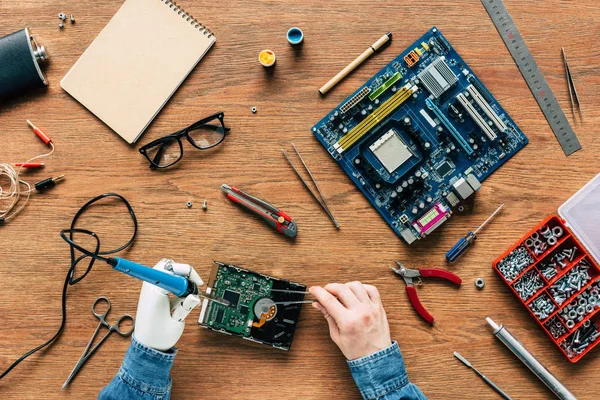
<point x="160" y="320"/>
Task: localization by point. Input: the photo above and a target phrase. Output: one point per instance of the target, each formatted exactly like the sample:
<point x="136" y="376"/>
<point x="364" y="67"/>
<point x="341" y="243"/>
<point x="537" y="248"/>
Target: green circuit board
<point x="262" y="308"/>
<point x="242" y="290"/>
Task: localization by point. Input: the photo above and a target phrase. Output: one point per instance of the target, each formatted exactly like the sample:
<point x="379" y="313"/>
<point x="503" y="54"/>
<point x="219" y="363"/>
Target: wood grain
<point x="533" y="184"/>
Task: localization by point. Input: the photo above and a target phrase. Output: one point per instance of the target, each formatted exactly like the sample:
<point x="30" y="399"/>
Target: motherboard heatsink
<point x="420" y="136"/>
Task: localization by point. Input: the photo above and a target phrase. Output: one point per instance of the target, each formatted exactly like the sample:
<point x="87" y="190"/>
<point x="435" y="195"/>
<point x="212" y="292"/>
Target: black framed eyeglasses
<point x="203" y="134"/>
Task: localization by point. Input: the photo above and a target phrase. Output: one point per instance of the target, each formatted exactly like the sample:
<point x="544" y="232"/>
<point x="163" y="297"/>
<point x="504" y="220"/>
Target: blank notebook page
<point x="136" y="63"/>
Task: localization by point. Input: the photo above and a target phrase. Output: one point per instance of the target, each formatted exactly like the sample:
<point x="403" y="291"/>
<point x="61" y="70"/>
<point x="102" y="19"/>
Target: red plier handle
<point x="428" y="273"/>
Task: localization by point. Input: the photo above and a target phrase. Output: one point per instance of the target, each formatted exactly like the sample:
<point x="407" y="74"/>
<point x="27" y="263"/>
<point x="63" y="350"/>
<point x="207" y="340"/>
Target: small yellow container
<point x="267" y="58"/>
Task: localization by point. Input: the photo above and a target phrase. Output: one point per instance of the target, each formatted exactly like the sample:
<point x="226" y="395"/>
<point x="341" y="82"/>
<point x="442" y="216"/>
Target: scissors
<point x="102" y="317"/>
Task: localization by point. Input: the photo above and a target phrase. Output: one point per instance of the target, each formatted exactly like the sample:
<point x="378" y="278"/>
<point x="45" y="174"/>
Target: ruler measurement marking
<point x="533" y="75"/>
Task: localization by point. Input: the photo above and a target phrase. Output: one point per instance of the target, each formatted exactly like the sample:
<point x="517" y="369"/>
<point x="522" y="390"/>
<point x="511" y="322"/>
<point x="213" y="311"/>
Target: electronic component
<point x="452" y="199"/>
<point x="463" y="189"/>
<point x="391" y="151"/>
<point x="479" y="120"/>
<point x="411" y="59"/>
<point x="395" y="78"/>
<point x="437" y="77"/>
<point x="414" y="155"/>
<point x="232" y="297"/>
<point x="374" y="118"/>
<point x="408" y="236"/>
<point x="473" y="182"/>
<point x="259" y="310"/>
<point x="432" y="219"/>
<point x="443" y="169"/>
<point x="442" y="117"/>
<point x="354" y="100"/>
<point x="484" y="105"/>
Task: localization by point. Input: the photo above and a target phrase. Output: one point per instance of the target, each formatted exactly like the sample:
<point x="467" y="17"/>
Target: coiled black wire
<point x="92" y="255"/>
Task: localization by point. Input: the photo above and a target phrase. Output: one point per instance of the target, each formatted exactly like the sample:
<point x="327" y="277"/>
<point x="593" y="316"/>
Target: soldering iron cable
<point x="70" y="279"/>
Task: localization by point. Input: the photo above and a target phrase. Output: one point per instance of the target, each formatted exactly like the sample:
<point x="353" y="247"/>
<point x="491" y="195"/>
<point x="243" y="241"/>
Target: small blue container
<point x="295" y="36"/>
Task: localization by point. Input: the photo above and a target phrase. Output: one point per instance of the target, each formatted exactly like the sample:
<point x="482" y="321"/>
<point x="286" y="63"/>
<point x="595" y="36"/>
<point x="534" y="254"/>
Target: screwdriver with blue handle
<point x="463" y="244"/>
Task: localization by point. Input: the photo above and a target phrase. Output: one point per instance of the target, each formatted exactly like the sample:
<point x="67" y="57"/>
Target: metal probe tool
<point x="482" y="376"/>
<point x="463" y="244"/>
<point x="322" y="202"/>
<point x="530" y="362"/>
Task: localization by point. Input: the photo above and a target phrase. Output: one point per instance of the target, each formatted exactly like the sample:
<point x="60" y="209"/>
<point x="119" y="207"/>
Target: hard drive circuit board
<point x="262" y="308"/>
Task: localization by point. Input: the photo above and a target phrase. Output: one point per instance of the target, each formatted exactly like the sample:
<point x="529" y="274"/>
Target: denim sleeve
<point x="382" y="376"/>
<point x="144" y="374"/>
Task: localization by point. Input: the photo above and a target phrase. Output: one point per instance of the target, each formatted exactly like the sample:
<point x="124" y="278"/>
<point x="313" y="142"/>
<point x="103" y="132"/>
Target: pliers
<point x="409" y="274"/>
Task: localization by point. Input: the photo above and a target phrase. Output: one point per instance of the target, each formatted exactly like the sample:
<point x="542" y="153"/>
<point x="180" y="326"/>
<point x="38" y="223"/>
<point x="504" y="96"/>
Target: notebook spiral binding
<point x="184" y="14"/>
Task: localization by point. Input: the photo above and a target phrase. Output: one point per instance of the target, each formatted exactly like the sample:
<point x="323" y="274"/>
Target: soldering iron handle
<point x="178" y="285"/>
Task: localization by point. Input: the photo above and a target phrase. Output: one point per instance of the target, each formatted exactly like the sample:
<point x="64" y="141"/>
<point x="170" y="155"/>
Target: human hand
<point x="160" y="320"/>
<point x="356" y="318"/>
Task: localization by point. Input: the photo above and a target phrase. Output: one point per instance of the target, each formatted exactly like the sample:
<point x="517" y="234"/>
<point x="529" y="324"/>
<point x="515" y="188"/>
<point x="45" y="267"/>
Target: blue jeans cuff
<point x="379" y="373"/>
<point x="147" y="369"/>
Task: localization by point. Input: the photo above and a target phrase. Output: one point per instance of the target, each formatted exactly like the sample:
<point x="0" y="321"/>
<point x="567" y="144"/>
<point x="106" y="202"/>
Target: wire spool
<point x="20" y="70"/>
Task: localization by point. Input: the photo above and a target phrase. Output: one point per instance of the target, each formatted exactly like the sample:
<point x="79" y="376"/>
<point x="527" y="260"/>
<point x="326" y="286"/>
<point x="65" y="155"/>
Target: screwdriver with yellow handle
<point x="463" y="244"/>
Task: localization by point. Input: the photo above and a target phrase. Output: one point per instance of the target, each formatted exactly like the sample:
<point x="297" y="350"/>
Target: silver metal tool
<point x="530" y="361"/>
<point x="322" y="202"/>
<point x="87" y="353"/>
<point x="285" y="303"/>
<point x="482" y="376"/>
<point x="289" y="291"/>
<point x="573" y="95"/>
<point x="533" y="76"/>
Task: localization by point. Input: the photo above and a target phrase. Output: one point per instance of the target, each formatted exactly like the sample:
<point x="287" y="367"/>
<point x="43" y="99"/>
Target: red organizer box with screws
<point x="554" y="271"/>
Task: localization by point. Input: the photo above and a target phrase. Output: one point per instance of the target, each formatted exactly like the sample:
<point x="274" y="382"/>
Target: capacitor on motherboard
<point x="399" y="189"/>
<point x="393" y="195"/>
<point x="411" y="180"/>
<point x="406" y="121"/>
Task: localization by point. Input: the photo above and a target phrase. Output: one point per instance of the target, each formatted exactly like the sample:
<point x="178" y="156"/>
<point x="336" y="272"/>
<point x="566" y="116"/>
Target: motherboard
<point x="262" y="308"/>
<point x="420" y="136"/>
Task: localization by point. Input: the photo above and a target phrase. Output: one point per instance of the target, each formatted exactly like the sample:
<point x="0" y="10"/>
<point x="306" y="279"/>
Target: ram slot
<point x="374" y="118"/>
<point x="487" y="109"/>
<point x="457" y="136"/>
<point x="476" y="117"/>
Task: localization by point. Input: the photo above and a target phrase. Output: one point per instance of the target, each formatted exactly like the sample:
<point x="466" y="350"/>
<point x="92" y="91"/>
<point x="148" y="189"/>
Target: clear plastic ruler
<point x="533" y="76"/>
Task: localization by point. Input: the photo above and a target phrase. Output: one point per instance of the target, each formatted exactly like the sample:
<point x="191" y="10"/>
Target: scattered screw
<point x="60" y="26"/>
<point x="189" y="204"/>
<point x="254" y="110"/>
<point x="479" y="283"/>
<point x="72" y="18"/>
<point x="62" y="16"/>
<point x="205" y="205"/>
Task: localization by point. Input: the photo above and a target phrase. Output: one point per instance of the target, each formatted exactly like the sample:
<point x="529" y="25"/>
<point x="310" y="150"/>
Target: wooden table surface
<point x="533" y="184"/>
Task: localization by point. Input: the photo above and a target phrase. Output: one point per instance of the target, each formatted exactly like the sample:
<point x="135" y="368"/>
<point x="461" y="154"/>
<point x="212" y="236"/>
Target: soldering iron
<point x="178" y="285"/>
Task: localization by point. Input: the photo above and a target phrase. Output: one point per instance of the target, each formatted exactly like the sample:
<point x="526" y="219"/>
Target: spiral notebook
<point x="136" y="63"/>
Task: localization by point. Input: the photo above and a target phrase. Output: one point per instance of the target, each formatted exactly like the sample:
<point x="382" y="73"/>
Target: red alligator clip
<point x="409" y="274"/>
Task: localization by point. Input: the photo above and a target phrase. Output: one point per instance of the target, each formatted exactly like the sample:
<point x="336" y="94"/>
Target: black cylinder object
<point x="19" y="67"/>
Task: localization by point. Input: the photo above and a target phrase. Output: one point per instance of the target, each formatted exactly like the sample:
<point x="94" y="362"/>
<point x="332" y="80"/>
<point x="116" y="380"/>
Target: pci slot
<point x="374" y="118"/>
<point x="347" y="106"/>
<point x="457" y="136"/>
<point x="482" y="123"/>
<point x="487" y="109"/>
<point x="385" y="86"/>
